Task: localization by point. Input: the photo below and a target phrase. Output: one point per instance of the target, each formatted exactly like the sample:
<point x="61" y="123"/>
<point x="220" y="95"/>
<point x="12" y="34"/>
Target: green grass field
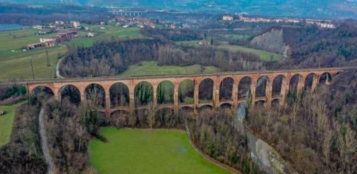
<point x="264" y="55"/>
<point x="15" y="64"/>
<point x="6" y="123"/>
<point x="134" y="151"/>
<point x="151" y="68"/>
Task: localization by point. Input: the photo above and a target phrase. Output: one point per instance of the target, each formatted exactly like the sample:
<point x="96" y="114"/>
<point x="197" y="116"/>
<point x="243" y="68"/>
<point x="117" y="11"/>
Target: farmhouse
<point x="34" y="46"/>
<point x="227" y="18"/>
<point x="47" y="39"/>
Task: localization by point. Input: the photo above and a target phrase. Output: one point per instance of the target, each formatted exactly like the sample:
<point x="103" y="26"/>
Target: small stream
<point x="267" y="158"/>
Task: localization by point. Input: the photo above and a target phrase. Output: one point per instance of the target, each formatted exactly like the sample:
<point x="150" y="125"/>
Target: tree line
<point x="114" y="57"/>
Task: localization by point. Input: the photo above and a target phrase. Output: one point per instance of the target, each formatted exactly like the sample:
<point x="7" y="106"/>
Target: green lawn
<point x="6" y="123"/>
<point x="19" y="66"/>
<point x="237" y="36"/>
<point x="264" y="55"/>
<point x="134" y="151"/>
<point x="151" y="68"/>
<point x="15" y="64"/>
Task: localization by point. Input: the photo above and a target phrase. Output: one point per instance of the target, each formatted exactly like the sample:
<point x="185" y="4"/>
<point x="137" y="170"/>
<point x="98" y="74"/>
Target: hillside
<point x="293" y="8"/>
<point x="312" y="47"/>
<point x="272" y="41"/>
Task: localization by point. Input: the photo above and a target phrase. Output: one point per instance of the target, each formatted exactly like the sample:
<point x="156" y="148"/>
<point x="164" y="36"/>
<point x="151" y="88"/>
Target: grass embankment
<point x="133" y="151"/>
<point x="6" y="122"/>
<point x="151" y="68"/>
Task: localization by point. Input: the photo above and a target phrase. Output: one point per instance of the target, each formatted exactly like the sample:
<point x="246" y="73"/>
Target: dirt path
<point x="58" y="74"/>
<point x="44" y="145"/>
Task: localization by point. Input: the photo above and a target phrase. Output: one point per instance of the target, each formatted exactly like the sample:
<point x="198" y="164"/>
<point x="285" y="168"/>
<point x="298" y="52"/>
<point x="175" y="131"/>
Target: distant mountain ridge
<point x="291" y="8"/>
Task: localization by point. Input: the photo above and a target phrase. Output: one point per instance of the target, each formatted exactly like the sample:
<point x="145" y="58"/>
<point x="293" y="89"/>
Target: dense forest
<point x="114" y="57"/>
<point x="316" y="132"/>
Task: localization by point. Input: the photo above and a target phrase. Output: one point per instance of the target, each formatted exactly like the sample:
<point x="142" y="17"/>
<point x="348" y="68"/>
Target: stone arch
<point x="226" y="89"/>
<point x="119" y="95"/>
<point x="143" y="93"/>
<point x="262" y="86"/>
<point x="119" y="118"/>
<point x="279" y="85"/>
<point x="165" y="92"/>
<point x="205" y="108"/>
<point x="186" y="91"/>
<point x="309" y="81"/>
<point x="294" y="83"/>
<point x="70" y="93"/>
<point x="40" y="90"/>
<point x="95" y="95"/>
<point x="276" y="103"/>
<point x="260" y="104"/>
<point x="205" y="90"/>
<point x="325" y="78"/>
<point x="244" y="86"/>
<point x="226" y="107"/>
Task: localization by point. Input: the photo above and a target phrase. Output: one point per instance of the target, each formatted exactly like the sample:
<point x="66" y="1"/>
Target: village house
<point x="227" y="18"/>
<point x="34" y="46"/>
<point x="68" y="34"/>
<point x="38" y="27"/>
<point x="90" y="34"/>
<point x="59" y="22"/>
<point x="76" y="24"/>
<point x="47" y="39"/>
<point x="42" y="32"/>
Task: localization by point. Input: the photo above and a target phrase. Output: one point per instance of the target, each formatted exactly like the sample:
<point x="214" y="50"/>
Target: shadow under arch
<point x="119" y="95"/>
<point x="204" y="108"/>
<point x="165" y="92"/>
<point x="95" y="95"/>
<point x="294" y="83"/>
<point x="244" y="86"/>
<point x="276" y="103"/>
<point x="143" y="93"/>
<point x="262" y="86"/>
<point x="309" y="81"/>
<point x="325" y="78"/>
<point x="279" y="85"/>
<point x="205" y="90"/>
<point x="226" y="89"/>
<point x="70" y="93"/>
<point x="186" y="91"/>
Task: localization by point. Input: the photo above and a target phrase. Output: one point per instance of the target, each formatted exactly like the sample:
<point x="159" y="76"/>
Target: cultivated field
<point x="133" y="151"/>
<point x="6" y="123"/>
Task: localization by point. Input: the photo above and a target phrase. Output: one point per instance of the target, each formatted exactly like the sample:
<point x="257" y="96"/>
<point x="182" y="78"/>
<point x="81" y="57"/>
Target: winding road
<point x="45" y="150"/>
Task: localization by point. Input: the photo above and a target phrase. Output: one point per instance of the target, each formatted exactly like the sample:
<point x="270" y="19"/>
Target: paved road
<point x="44" y="145"/>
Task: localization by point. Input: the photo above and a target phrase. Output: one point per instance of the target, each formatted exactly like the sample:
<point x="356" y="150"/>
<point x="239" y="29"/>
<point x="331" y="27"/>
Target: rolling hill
<point x="292" y="8"/>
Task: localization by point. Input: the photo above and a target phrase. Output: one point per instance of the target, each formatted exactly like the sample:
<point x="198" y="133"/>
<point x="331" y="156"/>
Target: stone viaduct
<point x="255" y="77"/>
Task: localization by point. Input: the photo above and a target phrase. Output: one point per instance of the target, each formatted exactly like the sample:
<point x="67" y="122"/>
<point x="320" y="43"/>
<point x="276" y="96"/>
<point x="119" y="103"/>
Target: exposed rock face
<point x="272" y="41"/>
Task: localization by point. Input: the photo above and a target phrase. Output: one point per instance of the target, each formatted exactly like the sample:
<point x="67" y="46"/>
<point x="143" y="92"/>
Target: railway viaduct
<point x="234" y="100"/>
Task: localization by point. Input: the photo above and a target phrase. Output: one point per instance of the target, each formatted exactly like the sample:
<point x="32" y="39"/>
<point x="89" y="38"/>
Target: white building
<point x="227" y="18"/>
<point x="47" y="39"/>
